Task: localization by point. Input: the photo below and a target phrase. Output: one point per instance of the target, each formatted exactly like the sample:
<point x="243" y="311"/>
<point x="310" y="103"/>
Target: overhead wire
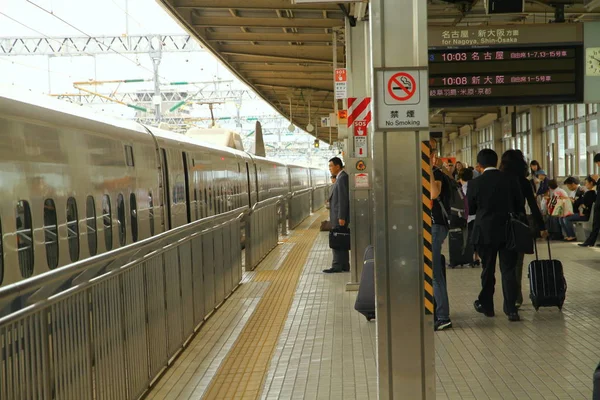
<point x="35" y="67"/>
<point x="128" y="14"/>
<point x="89" y="36"/>
<point x="36" y="31"/>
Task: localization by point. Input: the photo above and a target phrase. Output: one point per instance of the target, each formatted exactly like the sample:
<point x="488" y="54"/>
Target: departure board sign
<point x="473" y="76"/>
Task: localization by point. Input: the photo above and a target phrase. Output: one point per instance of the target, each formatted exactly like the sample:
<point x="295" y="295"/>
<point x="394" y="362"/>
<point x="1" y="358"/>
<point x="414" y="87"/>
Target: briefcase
<point x="339" y="238"/>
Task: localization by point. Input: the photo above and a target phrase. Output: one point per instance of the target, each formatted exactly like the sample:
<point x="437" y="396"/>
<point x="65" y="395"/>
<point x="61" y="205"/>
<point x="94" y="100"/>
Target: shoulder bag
<point x="518" y="233"/>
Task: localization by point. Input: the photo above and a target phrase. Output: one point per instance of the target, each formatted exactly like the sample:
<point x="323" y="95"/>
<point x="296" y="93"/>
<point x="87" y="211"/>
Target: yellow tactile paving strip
<point x="244" y="370"/>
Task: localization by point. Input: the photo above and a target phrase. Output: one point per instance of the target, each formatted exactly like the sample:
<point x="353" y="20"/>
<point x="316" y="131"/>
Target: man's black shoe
<point x="584" y="245"/>
<point x="514" y="317"/>
<point x="332" y="271"/>
<point x="346" y="269"/>
<point x="480" y="309"/>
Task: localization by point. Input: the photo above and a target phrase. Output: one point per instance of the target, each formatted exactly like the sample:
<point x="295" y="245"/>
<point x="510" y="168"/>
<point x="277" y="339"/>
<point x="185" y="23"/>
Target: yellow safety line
<point x="243" y="372"/>
<point x="427" y="237"/>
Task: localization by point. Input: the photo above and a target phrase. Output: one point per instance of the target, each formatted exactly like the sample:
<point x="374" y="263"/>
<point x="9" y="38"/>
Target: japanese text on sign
<point x="533" y="34"/>
<point x="341" y="83"/>
<point x="489" y="55"/>
<point x="482" y="36"/>
<point x="360" y="146"/>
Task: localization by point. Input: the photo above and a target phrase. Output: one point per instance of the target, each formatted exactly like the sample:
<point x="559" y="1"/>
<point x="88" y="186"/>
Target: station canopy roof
<point x="285" y="51"/>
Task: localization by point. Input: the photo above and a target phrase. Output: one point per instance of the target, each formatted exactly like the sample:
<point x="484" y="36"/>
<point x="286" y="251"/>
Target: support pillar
<point x="537" y="133"/>
<point x="405" y="345"/>
<point x="359" y="163"/>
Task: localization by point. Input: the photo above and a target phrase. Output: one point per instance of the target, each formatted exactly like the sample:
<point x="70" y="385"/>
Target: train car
<point x="299" y="178"/>
<point x="204" y="180"/>
<point x="318" y="177"/>
<point x="75" y="184"/>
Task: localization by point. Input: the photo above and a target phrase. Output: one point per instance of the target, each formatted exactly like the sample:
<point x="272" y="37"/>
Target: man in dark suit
<point x="492" y="197"/>
<point x="339" y="212"/>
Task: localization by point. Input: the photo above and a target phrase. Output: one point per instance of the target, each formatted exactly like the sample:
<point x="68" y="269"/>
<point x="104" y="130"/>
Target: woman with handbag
<point x="513" y="163"/>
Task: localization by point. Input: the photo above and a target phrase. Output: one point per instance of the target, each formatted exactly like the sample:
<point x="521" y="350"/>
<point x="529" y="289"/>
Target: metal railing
<point x="319" y="196"/>
<point x="299" y="206"/>
<point x="262" y="230"/>
<point x="107" y="326"/>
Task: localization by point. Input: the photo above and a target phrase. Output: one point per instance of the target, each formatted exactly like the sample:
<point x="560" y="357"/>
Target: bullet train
<point x="74" y="184"/>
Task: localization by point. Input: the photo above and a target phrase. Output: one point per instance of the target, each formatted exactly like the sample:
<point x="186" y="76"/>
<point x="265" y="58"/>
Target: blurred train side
<point x="74" y="184"/>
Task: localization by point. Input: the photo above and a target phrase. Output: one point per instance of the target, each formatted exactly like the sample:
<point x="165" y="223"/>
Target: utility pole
<point x="155" y="52"/>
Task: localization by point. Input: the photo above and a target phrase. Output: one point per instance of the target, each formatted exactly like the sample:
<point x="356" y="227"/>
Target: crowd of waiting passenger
<point x="492" y="193"/>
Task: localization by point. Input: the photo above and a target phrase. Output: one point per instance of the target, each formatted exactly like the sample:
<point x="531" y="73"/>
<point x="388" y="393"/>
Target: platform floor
<point x="291" y="332"/>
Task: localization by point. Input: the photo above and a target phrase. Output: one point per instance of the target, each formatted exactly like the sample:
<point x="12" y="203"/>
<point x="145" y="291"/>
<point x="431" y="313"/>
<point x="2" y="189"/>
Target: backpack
<point x="457" y="218"/>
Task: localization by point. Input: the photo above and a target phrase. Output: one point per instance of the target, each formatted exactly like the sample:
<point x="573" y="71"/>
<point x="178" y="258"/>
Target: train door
<point x="259" y="184"/>
<point x="250" y="186"/>
<point x="186" y="175"/>
<point x="166" y="189"/>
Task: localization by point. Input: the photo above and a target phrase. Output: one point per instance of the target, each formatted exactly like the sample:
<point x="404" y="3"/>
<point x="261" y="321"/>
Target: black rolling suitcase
<point x="547" y="282"/>
<point x="365" y="300"/>
<point x="461" y="250"/>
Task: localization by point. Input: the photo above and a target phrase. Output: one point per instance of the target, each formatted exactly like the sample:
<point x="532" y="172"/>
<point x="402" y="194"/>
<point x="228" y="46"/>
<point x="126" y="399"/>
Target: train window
<point x="151" y="213"/>
<point x="107" y="222"/>
<point x="133" y="211"/>
<point x="73" y="229"/>
<point x="122" y="228"/>
<point x="24" y="238"/>
<point x="129" y="155"/>
<point x="51" y="233"/>
<point x="1" y="256"/>
<point x="91" y="226"/>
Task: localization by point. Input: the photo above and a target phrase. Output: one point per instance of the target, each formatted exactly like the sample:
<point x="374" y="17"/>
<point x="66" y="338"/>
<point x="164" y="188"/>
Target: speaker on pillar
<point x="504" y="6"/>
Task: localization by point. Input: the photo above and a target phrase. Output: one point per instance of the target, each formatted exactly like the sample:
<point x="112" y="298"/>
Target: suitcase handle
<point x="536" y="250"/>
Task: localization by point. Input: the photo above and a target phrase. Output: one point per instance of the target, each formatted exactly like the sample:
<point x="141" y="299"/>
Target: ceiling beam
<point x="285" y="90"/>
<point x="280" y="67"/>
<point x="325" y="85"/>
<point x="270" y="37"/>
<point x="252" y="5"/>
<point x="319" y="76"/>
<point x="318" y="53"/>
<point x="220" y="22"/>
<point x="248" y="57"/>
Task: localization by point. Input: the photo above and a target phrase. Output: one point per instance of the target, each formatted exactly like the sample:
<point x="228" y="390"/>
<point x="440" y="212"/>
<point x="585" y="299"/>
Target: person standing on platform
<point x="339" y="213"/>
<point x="591" y="240"/>
<point x="491" y="198"/>
<point x="440" y="194"/>
<point x="514" y="165"/>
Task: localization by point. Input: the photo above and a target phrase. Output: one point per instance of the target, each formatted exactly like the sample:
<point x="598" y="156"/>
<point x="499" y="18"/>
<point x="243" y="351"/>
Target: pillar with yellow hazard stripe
<point x="427" y="237"/>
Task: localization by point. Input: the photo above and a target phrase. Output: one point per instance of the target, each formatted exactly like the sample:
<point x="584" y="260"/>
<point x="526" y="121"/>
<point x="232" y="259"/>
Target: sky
<point x="80" y="18"/>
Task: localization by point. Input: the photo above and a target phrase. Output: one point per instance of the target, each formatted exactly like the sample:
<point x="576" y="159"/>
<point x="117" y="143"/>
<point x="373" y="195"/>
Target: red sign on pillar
<point x="360" y="128"/>
<point x="341" y="75"/>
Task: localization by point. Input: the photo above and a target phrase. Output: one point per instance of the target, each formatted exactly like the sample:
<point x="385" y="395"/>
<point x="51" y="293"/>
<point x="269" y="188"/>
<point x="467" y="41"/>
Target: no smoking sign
<point x="401" y="99"/>
<point x="401" y="88"/>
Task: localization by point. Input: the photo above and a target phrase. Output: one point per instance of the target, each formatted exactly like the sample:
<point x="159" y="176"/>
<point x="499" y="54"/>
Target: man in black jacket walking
<point x="492" y="197"/>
